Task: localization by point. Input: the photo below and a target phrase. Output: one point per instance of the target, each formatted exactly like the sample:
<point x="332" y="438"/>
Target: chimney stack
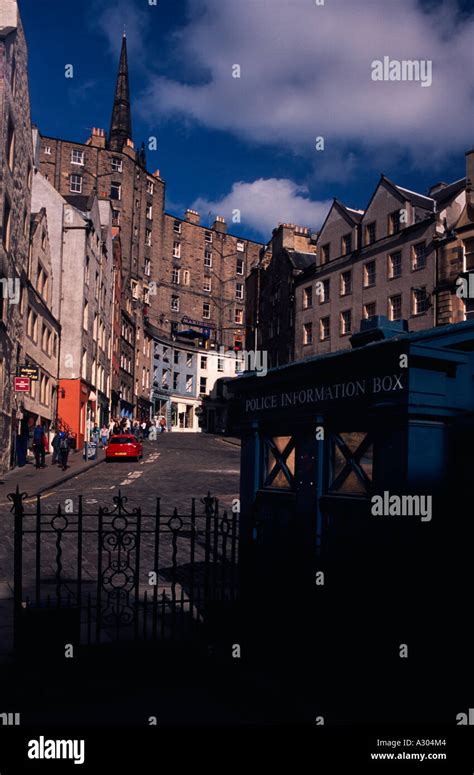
<point x="220" y="224"/>
<point x="97" y="138"/>
<point x="192" y="216"/>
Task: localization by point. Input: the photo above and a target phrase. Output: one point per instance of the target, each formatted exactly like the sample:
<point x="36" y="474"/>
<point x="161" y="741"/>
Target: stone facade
<point x="42" y="331"/>
<point x="379" y="262"/>
<point x="16" y="164"/>
<point x="291" y="250"/>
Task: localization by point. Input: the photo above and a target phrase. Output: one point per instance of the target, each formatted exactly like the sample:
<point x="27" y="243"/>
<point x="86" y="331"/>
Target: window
<point x="32" y="325"/>
<point x="325" y="253"/>
<point x="370" y="233"/>
<point x="116" y="191"/>
<point x="176" y="250"/>
<point x="186" y="277"/>
<point x="189" y="360"/>
<point x="146" y="295"/>
<point x="395" y="265"/>
<point x="175" y="380"/>
<point x="116" y="217"/>
<point x="7" y="225"/>
<point x="395" y="307"/>
<point x="174" y="303"/>
<point x="324" y="290"/>
<point x="394" y="222"/>
<point x="346" y="322"/>
<point x="47" y="150"/>
<point x="177" y="227"/>
<point x="308" y="297"/>
<point x="307" y="333"/>
<point x="346" y="244"/>
<point x="150" y="187"/>
<point x="206" y="311"/>
<point x="203" y="361"/>
<point x="11" y="145"/>
<point x="148" y="237"/>
<point x="77" y="157"/>
<point x="189" y="383"/>
<point x="147" y="268"/>
<point x="207" y="284"/>
<point x="117" y="164"/>
<point x="369" y="310"/>
<point x="203" y="385"/>
<point x="240" y="266"/>
<point x="134" y="288"/>
<point x="175" y="276"/>
<point x="149" y="212"/>
<point x="207" y="258"/>
<point x="75" y="184"/>
<point x="85" y="316"/>
<point x="419" y="256"/>
<point x="369" y="274"/>
<point x="351" y="463"/>
<point x="239" y="291"/>
<point x="280" y="462"/>
<point x="220" y="364"/>
<point x="346" y="283"/>
<point x="239" y="316"/>
<point x="84" y="365"/>
<point x="420" y="302"/>
<point x="240" y="246"/>
<point x="208" y="236"/>
<point x="324" y="328"/>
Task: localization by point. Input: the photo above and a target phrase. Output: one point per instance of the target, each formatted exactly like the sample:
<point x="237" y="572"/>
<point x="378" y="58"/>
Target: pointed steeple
<point x="121" y="124"/>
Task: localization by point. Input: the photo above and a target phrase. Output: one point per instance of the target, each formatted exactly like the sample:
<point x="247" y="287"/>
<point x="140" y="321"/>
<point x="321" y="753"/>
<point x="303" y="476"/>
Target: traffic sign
<point x="22" y="384"/>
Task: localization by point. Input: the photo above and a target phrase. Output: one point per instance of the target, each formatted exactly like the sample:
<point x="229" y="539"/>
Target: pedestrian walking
<point x="63" y="449"/>
<point x="104" y="435"/>
<point x="162" y="424"/>
<point x="38" y="446"/>
<point x="55" y="446"/>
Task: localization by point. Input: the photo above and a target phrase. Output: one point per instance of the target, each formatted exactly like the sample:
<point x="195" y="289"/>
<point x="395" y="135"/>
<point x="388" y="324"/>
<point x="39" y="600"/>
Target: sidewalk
<point x="34" y="482"/>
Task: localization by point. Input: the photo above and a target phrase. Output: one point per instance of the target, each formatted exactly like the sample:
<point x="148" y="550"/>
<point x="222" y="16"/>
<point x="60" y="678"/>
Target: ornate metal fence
<point x="120" y="573"/>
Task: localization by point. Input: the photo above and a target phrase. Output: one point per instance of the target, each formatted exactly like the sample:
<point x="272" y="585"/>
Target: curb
<point x="62" y="479"/>
<point x="232" y="443"/>
<point x="66" y="478"/>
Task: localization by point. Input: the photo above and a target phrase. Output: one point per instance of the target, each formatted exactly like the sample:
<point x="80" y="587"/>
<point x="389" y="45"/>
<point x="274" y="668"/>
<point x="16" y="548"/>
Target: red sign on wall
<point x="22" y="384"/>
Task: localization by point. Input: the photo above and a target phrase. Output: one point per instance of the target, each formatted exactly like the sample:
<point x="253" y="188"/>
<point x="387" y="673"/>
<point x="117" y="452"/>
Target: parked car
<point x="123" y="446"/>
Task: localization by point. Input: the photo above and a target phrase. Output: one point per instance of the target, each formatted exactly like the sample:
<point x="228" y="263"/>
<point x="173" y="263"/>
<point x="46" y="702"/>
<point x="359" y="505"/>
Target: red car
<point x="123" y="446"/>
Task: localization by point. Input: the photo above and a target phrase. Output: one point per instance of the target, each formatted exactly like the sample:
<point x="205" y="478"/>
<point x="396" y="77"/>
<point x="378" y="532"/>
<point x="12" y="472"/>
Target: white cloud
<point x="306" y="71"/>
<point x="265" y="203"/>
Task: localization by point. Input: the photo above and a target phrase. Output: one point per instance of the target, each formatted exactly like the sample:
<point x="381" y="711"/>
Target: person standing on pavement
<point x="38" y="446"/>
<point x="63" y="449"/>
<point x="55" y="446"/>
<point x="104" y="435"/>
<point x="162" y="424"/>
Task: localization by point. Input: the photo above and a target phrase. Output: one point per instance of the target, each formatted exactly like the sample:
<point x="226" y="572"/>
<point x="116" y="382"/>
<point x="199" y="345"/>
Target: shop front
<point x="351" y="481"/>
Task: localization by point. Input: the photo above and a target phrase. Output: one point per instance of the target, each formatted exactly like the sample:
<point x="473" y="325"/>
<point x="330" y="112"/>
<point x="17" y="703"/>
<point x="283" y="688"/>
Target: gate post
<point x="18" y="511"/>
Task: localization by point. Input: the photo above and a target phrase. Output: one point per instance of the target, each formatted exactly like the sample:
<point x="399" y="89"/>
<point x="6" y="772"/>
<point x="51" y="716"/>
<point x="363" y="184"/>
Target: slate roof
<point x="448" y="192"/>
<point x="301" y="260"/>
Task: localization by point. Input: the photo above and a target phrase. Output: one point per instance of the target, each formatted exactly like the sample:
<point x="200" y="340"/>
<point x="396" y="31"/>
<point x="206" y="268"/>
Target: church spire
<point x="121" y="124"/>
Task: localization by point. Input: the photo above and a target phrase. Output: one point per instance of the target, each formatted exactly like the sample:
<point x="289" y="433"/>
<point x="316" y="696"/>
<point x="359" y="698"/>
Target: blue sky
<point x="305" y="72"/>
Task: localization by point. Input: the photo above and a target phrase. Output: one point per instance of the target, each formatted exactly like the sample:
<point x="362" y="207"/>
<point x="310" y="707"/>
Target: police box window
<point x="279" y="463"/>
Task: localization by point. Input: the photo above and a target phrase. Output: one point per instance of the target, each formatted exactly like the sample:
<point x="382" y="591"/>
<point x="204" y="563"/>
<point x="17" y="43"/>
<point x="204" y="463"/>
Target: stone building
<point x="41" y="333"/>
<point x="455" y="248"/>
<point x="172" y="268"/>
<point x="381" y="261"/>
<point x="16" y="164"/>
<point x="271" y="319"/>
<point x="200" y="291"/>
